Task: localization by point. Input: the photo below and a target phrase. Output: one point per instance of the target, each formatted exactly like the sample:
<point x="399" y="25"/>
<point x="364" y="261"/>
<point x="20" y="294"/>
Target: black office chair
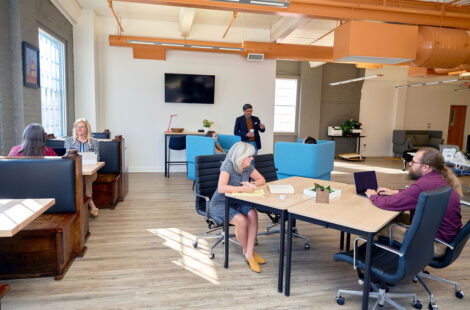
<point x="265" y="166"/>
<point x="389" y="265"/>
<point x="177" y="143"/>
<point x="106" y="134"/>
<point x="207" y="178"/>
<point x="452" y="253"/>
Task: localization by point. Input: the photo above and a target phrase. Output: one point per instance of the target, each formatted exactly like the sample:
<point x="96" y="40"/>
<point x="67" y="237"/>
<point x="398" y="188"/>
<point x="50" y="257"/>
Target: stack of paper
<point x="281" y="189"/>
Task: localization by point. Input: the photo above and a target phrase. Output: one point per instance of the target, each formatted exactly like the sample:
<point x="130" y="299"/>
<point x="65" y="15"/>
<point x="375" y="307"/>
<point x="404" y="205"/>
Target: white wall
<point x="429" y="107"/>
<point x="131" y="93"/>
<point x="385" y="108"/>
<point x="84" y="67"/>
<point x="381" y="110"/>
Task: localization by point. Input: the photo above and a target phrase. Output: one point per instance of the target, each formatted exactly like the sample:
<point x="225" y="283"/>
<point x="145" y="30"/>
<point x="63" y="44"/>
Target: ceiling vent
<point x="255" y="57"/>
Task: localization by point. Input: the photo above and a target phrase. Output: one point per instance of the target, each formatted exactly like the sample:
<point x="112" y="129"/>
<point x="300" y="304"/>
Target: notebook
<point x="364" y="181"/>
<point x="281" y="189"/>
<point x="255" y="193"/>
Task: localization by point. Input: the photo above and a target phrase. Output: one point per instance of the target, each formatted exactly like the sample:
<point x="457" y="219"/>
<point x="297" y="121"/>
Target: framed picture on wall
<point x="30" y="65"/>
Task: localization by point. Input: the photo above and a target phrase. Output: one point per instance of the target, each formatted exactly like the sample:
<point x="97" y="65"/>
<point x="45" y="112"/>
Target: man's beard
<point x="413" y="175"/>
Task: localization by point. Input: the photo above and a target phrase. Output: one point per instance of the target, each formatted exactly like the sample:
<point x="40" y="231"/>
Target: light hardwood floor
<point x="140" y="256"/>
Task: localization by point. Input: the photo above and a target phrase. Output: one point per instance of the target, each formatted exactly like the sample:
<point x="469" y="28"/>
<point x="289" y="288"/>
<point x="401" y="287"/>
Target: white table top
<point x="90" y="169"/>
<point x="15" y="214"/>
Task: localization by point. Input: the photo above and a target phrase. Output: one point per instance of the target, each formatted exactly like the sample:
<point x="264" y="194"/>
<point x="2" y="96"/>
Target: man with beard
<point x="430" y="172"/>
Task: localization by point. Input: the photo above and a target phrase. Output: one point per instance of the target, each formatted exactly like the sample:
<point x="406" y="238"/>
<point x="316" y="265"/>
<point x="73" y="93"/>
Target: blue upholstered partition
<point x="197" y="146"/>
<point x="226" y="141"/>
<point x="305" y="160"/>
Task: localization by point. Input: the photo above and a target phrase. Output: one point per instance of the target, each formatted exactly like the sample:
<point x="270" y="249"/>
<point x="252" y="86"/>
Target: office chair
<point x="389" y="265"/>
<point x="265" y="166"/>
<point x="452" y="253"/>
<point x="176" y="143"/>
<point x="206" y="180"/>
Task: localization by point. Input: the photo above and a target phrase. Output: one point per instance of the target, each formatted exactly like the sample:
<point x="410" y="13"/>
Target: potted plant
<point x="347" y="127"/>
<point x="206" y="124"/>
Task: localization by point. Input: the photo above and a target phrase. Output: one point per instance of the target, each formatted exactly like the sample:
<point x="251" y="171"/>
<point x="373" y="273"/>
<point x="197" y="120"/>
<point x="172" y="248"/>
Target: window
<point x="52" y="71"/>
<point x="285" y="104"/>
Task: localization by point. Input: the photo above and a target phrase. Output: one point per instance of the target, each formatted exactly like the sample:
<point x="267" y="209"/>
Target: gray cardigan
<point x="89" y="146"/>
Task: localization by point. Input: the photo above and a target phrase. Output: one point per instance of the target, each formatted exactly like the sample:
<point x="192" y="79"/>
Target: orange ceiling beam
<point x="397" y="11"/>
<point x="270" y="50"/>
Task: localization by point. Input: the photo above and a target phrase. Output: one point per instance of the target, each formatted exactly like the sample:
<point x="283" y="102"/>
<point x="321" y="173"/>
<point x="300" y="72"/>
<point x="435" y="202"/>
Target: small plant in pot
<point x="348" y="126"/>
<point x="206" y="124"/>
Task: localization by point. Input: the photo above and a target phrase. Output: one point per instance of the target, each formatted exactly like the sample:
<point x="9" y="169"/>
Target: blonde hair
<point x="238" y="152"/>
<point x="434" y="159"/>
<point x="88" y="129"/>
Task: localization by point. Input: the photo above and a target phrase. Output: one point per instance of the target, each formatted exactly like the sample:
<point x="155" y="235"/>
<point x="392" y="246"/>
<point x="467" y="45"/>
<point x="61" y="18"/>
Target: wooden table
<point x="273" y="204"/>
<point x="15" y="214"/>
<point x="169" y="134"/>
<point x="349" y="212"/>
<point x="90" y="169"/>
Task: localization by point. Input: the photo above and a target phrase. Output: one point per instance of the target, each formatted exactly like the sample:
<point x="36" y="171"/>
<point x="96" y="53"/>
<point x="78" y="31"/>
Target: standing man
<point x="248" y="127"/>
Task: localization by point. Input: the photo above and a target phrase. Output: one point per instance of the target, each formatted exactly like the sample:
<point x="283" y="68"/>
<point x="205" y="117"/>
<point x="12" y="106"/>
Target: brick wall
<point x="19" y="105"/>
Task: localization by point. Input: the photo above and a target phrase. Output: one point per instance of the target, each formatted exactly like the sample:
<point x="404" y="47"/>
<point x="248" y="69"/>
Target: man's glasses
<point x="413" y="162"/>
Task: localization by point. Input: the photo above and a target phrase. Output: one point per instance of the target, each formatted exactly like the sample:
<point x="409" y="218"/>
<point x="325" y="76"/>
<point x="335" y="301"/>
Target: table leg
<point x="348" y="241"/>
<point x="365" y="289"/>
<point x="281" y="251"/>
<point x="166" y="154"/>
<point x="288" y="254"/>
<point x="341" y="241"/>
<point x="226" y="230"/>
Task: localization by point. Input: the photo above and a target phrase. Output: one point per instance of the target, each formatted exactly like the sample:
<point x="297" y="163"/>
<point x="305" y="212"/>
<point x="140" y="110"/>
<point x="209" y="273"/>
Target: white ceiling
<point x="305" y="33"/>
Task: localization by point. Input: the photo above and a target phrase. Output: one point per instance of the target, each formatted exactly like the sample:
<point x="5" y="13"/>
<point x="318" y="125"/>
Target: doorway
<point x="456" y="125"/>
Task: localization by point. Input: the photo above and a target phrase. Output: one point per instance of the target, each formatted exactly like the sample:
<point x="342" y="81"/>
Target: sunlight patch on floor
<point x="194" y="260"/>
<point x="340" y="172"/>
<point x="369" y="168"/>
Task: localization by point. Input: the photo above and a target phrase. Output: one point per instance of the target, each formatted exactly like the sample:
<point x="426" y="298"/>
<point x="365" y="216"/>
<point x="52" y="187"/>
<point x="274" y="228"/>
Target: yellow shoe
<point x="259" y="259"/>
<point x="253" y="264"/>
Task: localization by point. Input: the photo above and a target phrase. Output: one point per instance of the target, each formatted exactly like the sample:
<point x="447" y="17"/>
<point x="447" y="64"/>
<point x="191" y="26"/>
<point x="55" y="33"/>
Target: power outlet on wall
<point x="428" y="125"/>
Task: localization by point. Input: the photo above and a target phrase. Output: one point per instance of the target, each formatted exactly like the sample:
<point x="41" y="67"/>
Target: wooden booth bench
<point x="49" y="244"/>
<point x="112" y="183"/>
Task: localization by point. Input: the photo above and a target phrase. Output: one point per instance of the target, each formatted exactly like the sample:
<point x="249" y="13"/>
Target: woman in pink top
<point x="34" y="138"/>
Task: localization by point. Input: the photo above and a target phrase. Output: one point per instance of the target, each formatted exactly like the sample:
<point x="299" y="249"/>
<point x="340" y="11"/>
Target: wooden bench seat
<point x="50" y="243"/>
<point x="43" y="248"/>
<point x="106" y="190"/>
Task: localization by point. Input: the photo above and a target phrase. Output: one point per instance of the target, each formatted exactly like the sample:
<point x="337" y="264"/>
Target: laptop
<point x="364" y="181"/>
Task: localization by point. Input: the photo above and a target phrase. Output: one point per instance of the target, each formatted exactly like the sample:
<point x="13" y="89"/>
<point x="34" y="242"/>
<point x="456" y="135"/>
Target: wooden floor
<point x="140" y="256"/>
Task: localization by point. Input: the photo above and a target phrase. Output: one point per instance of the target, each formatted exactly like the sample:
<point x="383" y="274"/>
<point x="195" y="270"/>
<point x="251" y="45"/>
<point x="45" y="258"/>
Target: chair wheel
<point x="307" y="246"/>
<point x="414" y="279"/>
<point x="459" y="294"/>
<point x="340" y="300"/>
<point x="211" y="256"/>
<point x="195" y="244"/>
<point x="417" y="304"/>
<point x="432" y="306"/>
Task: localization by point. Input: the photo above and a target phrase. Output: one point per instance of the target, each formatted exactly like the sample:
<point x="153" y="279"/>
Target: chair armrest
<point x="390" y="240"/>
<point x="207" y="205"/>
<point x="444" y="243"/>
<point x="383" y="247"/>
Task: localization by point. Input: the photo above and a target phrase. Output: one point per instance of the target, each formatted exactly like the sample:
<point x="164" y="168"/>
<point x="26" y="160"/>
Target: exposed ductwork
<point x="442" y="48"/>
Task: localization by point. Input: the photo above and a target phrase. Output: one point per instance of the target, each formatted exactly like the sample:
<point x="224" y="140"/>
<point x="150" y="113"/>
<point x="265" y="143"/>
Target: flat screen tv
<point x="189" y="88"/>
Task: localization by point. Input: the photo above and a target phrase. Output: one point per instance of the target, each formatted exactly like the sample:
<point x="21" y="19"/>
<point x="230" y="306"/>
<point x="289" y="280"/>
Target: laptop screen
<point x="364" y="181"/>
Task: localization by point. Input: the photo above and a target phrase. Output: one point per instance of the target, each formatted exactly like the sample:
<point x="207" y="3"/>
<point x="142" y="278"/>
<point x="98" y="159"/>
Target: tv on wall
<point x="189" y="88"/>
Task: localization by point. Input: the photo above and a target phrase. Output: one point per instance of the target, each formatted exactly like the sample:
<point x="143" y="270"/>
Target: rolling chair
<point x="206" y="180"/>
<point x="389" y="265"/>
<point x="265" y="166"/>
<point x="452" y="253"/>
<point x="176" y="143"/>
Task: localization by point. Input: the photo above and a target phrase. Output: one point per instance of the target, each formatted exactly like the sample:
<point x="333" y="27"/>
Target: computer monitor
<point x="364" y="181"/>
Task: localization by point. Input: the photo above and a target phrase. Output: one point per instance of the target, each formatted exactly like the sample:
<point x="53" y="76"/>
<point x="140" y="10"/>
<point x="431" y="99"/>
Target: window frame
<point x="64" y="111"/>
<point x="297" y="105"/>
